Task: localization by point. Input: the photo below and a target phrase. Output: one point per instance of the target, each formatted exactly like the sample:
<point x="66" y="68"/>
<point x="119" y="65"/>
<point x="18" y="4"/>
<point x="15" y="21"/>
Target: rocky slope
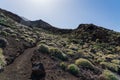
<point x="36" y="50"/>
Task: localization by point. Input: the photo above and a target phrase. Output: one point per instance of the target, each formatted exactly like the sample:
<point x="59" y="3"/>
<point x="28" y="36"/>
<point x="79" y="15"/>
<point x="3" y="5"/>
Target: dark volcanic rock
<point x="3" y="42"/>
<point x="38" y="71"/>
<point x="93" y="33"/>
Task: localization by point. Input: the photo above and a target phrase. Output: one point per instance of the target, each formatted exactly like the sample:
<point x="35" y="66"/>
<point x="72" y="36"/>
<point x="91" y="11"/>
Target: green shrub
<point x="58" y="54"/>
<point x="100" y="59"/>
<point x="116" y="61"/>
<point x="70" y="52"/>
<point x="84" y="63"/>
<point x="43" y="48"/>
<point x="2" y="59"/>
<point x="4" y="33"/>
<point x="110" y="66"/>
<point x="13" y="35"/>
<point x="8" y="30"/>
<point x="30" y="40"/>
<point x="51" y="44"/>
<point x="109" y="75"/>
<point x="111" y="56"/>
<point x="63" y="65"/>
<point x="73" y="69"/>
<point x="17" y="39"/>
<point x="43" y="42"/>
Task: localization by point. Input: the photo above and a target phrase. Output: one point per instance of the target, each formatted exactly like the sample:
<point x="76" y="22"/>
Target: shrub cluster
<point x="84" y="63"/>
<point x="53" y="52"/>
<point x="110" y="66"/>
<point x="57" y="53"/>
<point x="2" y="59"/>
<point x="108" y="75"/>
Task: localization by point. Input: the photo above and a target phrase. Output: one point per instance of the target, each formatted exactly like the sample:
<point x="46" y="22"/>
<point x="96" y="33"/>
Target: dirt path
<point x="20" y="68"/>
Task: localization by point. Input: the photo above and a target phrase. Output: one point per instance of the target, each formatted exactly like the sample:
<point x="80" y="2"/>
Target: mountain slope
<point x="37" y="23"/>
<point x="35" y="50"/>
<point x="91" y="32"/>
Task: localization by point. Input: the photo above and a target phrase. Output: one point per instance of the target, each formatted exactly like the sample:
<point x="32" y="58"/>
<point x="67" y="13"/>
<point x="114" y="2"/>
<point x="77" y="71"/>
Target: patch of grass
<point x="17" y="39"/>
<point x="115" y="61"/>
<point x="110" y="66"/>
<point x="8" y="30"/>
<point x="84" y="63"/>
<point x="111" y="56"/>
<point x="43" y="41"/>
<point x="73" y="69"/>
<point x="70" y="52"/>
<point x="118" y="48"/>
<point x="100" y="59"/>
<point x="43" y="48"/>
<point x="30" y="40"/>
<point x="109" y="75"/>
<point x="13" y="35"/>
<point x="4" y="33"/>
<point x="58" y="53"/>
<point x="2" y="59"/>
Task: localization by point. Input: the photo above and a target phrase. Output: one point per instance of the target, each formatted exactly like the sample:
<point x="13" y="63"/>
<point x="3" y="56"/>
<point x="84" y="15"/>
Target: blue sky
<point x="68" y="13"/>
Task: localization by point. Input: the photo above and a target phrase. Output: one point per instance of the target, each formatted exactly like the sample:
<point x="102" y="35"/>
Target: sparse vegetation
<point x="58" y="54"/>
<point x="73" y="69"/>
<point x="85" y="52"/>
<point x="115" y="61"/>
<point x="4" y="33"/>
<point x="108" y="75"/>
<point x="2" y="59"/>
<point x="63" y="65"/>
<point x="84" y="63"/>
<point x="110" y="66"/>
<point x="43" y="48"/>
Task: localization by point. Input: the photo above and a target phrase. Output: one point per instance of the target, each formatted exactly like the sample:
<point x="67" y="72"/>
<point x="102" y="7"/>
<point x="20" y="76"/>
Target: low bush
<point x="13" y="35"/>
<point x="43" y="48"/>
<point x="2" y="59"/>
<point x="17" y="39"/>
<point x="116" y="61"/>
<point x="100" y="59"/>
<point x="84" y="63"/>
<point x="30" y="40"/>
<point x="111" y="56"/>
<point x="110" y="66"/>
<point x="8" y="30"/>
<point x="63" y="65"/>
<point x="58" y="54"/>
<point x="70" y="52"/>
<point x="73" y="69"/>
<point x="108" y="75"/>
<point x="4" y="33"/>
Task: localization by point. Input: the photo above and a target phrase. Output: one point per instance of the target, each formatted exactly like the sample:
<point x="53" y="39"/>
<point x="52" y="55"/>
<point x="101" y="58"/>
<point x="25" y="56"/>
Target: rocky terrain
<point x="36" y="50"/>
